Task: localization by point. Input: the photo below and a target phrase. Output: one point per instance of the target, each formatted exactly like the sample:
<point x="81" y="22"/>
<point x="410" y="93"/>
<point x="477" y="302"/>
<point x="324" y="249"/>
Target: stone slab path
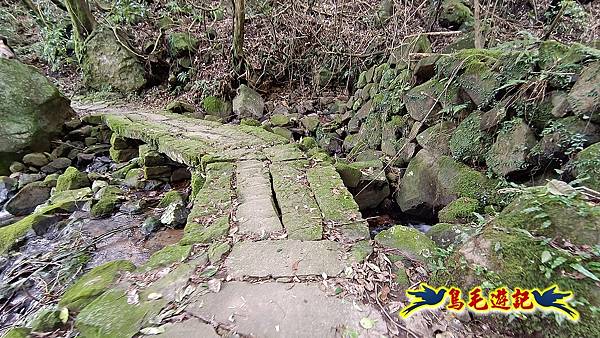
<point x="286" y="223"/>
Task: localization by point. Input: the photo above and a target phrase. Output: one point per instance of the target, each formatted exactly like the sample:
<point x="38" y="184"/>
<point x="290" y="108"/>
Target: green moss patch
<point x="93" y="284"/>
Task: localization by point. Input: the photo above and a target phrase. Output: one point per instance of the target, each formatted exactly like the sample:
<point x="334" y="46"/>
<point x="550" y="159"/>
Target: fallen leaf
<point x="154" y="296"/>
<point x="383" y="294"/>
<point x="151" y="331"/>
<point x="295" y="265"/>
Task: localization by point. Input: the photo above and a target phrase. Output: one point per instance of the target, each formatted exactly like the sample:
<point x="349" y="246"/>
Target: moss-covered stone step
<point x="286" y="258"/>
<point x="256" y="213"/>
<point x="209" y="217"/>
<point x="336" y="203"/>
<point x="186" y="140"/>
<point x="284" y="310"/>
<point x="300" y="213"/>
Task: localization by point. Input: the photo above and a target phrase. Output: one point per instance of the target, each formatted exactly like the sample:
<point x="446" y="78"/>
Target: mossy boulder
<point x="280" y="120"/>
<point x="179" y="107"/>
<point x="134" y="177"/>
<point x="93" y="284"/>
<point x="107" y="203"/>
<point x="431" y="183"/>
<point x="510" y="153"/>
<point x="171" y="197"/>
<point x="460" y="210"/>
<point x="587" y="166"/>
<point x="349" y="174"/>
<point x="508" y="257"/>
<point x="426" y="101"/>
<point x="110" y="315"/>
<point x="468" y="142"/>
<point x="248" y="103"/>
<point x="12" y="234"/>
<point x="584" y="97"/>
<point x="107" y="64"/>
<point x="436" y="139"/>
<point x="32" y="110"/>
<point x="168" y="255"/>
<point x="72" y="179"/>
<point x="545" y="212"/>
<point x="448" y="234"/>
<point x="455" y="14"/>
<point x="409" y="242"/>
<point x="29" y="197"/>
<point x="215" y="106"/>
<point x="307" y="143"/>
<point x="47" y="319"/>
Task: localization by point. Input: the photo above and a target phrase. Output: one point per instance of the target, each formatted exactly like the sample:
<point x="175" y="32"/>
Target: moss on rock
<point x="587" y="166"/>
<point x="172" y="196"/>
<point x="447" y="234"/>
<point x="459" y="211"/>
<point x="468" y="142"/>
<point x="72" y="179"/>
<point x="408" y="241"/>
<point x="93" y="284"/>
<point x="544" y="213"/>
<point x="109" y="197"/>
<point x="168" y="255"/>
<point x="508" y="257"/>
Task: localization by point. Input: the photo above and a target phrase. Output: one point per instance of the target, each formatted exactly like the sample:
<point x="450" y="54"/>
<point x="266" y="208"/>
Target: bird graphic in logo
<point x="551" y="299"/>
<point x="425" y="296"/>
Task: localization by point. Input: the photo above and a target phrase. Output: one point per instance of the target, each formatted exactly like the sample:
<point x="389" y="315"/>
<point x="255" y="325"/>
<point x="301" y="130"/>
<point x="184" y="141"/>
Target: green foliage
<point x="127" y="12"/>
<point x="56" y="45"/>
<point x="571" y="141"/>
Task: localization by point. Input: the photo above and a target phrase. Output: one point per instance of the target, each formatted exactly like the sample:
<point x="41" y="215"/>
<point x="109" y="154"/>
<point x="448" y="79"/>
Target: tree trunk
<point x="477" y="24"/>
<point x="82" y="18"/>
<point x="239" y="16"/>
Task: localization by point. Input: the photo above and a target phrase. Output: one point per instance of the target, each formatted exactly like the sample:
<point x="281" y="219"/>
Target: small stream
<point x="388" y="214"/>
<point x="37" y="274"/>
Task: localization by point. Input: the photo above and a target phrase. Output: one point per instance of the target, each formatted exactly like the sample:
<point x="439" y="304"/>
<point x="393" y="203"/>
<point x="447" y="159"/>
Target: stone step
<point x="256" y="212"/>
<point x="336" y="203"/>
<point x="300" y="213"/>
<point x="286" y="258"/>
<point x="287" y="310"/>
<point x="209" y="217"/>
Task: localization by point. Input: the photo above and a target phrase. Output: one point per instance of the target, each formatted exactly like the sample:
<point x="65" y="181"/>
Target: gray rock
<point x="56" y="165"/>
<point x="510" y="152"/>
<point x="278" y="259"/>
<point x="256" y="212"/>
<point x="174" y="215"/>
<point x="248" y="103"/>
<point x="7" y="186"/>
<point x="308" y="311"/>
<point x="36" y="159"/>
<point x="44" y="223"/>
<point x="190" y="328"/>
<point x="107" y="62"/>
<point x="16" y="167"/>
<point x="25" y="201"/>
<point x="25" y="179"/>
<point x="32" y="110"/>
<point x="584" y="97"/>
<point x="150" y="225"/>
<point x="373" y="187"/>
